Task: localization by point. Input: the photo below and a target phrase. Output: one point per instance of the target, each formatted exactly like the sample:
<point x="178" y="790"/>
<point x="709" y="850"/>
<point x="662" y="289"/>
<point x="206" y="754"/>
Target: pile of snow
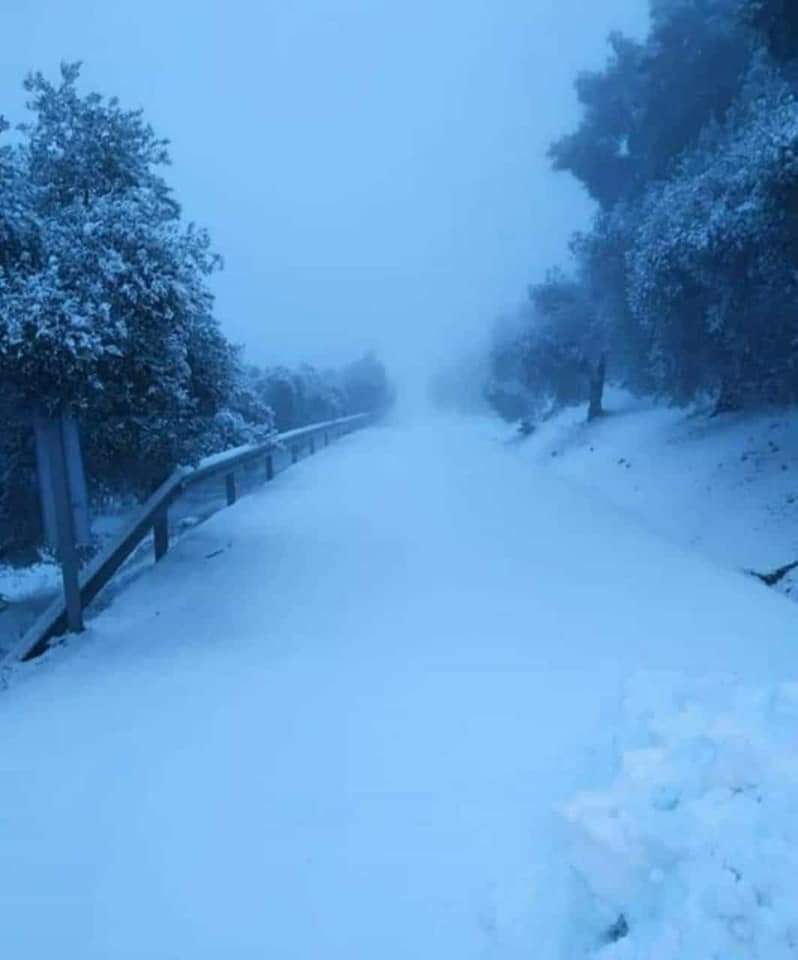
<point x="692" y="852"/>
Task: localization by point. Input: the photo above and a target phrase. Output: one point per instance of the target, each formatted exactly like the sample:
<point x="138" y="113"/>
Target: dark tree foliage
<point x="777" y="22"/>
<point x="599" y="153"/>
<point x="696" y="61"/>
<point x="651" y="101"/>
<point x="20" y="523"/>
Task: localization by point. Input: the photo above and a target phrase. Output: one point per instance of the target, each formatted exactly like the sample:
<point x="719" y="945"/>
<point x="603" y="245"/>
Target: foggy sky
<point x="373" y="173"/>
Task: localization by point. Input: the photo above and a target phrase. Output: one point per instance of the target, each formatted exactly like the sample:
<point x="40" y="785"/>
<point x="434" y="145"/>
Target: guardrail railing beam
<point x="153" y="517"/>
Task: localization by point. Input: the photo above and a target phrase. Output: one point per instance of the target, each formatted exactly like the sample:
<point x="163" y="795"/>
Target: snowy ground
<point x="352" y="733"/>
<point x="726" y="486"/>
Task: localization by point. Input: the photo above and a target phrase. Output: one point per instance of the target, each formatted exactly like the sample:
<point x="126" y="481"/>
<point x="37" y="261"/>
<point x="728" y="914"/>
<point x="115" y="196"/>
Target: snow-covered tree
<point x="552" y="353"/>
<point x="113" y="317"/>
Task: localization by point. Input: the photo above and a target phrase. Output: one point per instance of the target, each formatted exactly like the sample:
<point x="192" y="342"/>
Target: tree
<point x="688" y="278"/>
<point x="652" y="99"/>
<point x="571" y="347"/>
<point x="601" y="256"/>
<point x="508" y="387"/>
<point x="553" y="353"/>
<point x="690" y="266"/>
<point x="113" y="317"/>
<point x="598" y="152"/>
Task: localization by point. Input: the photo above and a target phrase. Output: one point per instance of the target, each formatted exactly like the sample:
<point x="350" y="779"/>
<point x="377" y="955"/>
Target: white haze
<point x="374" y="173"/>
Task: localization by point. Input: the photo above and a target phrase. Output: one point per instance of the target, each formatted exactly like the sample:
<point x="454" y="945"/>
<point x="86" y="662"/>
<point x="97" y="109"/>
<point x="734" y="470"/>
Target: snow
<point x="24" y="593"/>
<point x="18" y="584"/>
<point x="726" y="486"/>
<point x="344" y="718"/>
<point x="695" y="842"/>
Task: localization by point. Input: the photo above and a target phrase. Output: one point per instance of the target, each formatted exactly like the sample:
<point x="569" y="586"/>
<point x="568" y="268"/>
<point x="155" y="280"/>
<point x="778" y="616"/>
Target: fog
<point x="373" y="173"/>
<point x="459" y="623"/>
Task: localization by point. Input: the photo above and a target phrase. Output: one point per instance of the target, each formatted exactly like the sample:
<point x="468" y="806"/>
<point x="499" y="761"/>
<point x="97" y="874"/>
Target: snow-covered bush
<point x="692" y="851"/>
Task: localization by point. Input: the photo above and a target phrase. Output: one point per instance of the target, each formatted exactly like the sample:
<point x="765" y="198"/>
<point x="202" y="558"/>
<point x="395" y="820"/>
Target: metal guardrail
<point x="153" y="516"/>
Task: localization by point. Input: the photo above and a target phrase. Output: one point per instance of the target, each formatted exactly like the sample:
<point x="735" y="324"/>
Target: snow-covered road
<point x="345" y="734"/>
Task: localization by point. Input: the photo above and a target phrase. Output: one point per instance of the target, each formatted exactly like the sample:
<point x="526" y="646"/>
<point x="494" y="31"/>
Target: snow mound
<point x="692" y="852"/>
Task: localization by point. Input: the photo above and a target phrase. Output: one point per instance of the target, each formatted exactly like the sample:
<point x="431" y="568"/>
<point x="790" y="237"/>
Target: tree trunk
<point x="598" y="375"/>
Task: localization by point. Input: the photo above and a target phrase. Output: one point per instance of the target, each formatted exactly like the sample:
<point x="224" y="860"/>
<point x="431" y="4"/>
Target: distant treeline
<point x="105" y="311"/>
<point x="687" y="282"/>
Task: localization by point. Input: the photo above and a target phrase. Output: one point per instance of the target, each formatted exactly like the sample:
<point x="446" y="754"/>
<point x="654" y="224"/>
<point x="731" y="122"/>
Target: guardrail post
<point x="294" y="454"/>
<point x="54" y="474"/>
<point x="312" y="445"/>
<point x="269" y="467"/>
<point x="67" y="552"/>
<point x="160" y="534"/>
<point x="326" y="438"/>
<point x="231" y="489"/>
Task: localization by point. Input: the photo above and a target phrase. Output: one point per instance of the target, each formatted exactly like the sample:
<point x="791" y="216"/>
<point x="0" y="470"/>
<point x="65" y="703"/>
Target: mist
<point x="421" y="584"/>
<point x="374" y="174"/>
